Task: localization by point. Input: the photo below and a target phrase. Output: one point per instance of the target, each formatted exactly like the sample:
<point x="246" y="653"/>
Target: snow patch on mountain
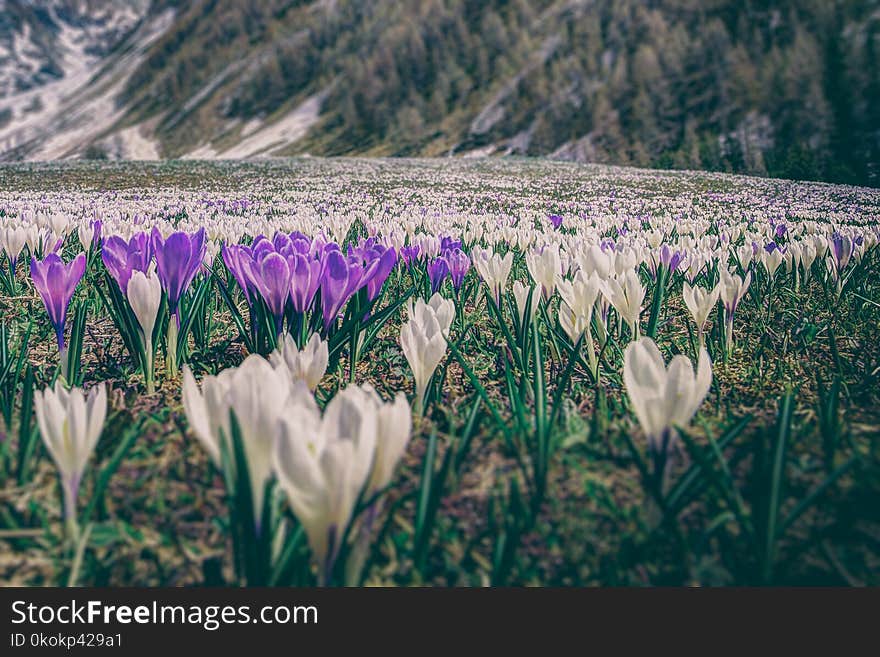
<point x="62" y="118"/>
<point x="265" y="140"/>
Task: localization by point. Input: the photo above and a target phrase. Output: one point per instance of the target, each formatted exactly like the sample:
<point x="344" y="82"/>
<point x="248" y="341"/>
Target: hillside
<point x="786" y="88"/>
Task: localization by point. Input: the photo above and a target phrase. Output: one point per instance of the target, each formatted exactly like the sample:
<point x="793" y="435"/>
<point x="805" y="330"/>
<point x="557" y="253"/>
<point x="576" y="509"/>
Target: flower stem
<point x="148" y="367"/>
<point x="171" y="347"/>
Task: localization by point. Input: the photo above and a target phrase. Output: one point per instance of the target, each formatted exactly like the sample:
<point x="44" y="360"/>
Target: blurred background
<point x="787" y="88"/>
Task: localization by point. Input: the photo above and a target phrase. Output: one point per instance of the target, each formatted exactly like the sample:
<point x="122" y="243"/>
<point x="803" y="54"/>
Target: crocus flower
<point x="178" y="259"/>
<point x="272" y="278"/>
<point x="237" y="259"/>
<point x="308" y="364"/>
<point x="387" y="258"/>
<point x="733" y="289"/>
<point x="304" y="280"/>
<point x="626" y="293"/>
<point x="12" y="241"/>
<point x="556" y="220"/>
<point x="122" y="258"/>
<point x="70" y="424"/>
<point x="545" y="266"/>
<point x="437" y="272"/>
<point x="595" y="259"/>
<point x="771" y="258"/>
<point x="393" y="433"/>
<point x="663" y="398"/>
<point x="258" y="394"/>
<point x="521" y="296"/>
<point x="444" y="310"/>
<point x="579" y="298"/>
<point x="409" y="254"/>
<point x="424" y="346"/>
<point x="459" y="264"/>
<point x="340" y="279"/>
<point x="669" y="258"/>
<point x="493" y="269"/>
<point x="145" y="296"/>
<point x="841" y="249"/>
<point x="89" y="235"/>
<point x="744" y="255"/>
<point x="323" y="464"/>
<point x="448" y="243"/>
<point x="700" y="303"/>
<point x="56" y="283"/>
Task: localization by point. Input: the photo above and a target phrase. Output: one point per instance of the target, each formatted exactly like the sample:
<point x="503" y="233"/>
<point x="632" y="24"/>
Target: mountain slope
<point x="786" y="88"/>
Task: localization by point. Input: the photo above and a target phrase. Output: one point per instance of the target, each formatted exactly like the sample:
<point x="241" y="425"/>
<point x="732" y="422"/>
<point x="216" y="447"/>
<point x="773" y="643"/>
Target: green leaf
<point x="777" y="479"/>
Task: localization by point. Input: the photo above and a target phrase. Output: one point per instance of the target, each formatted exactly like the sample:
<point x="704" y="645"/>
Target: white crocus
<point x="70" y="424"/>
<point x="545" y="266"/>
<point x="700" y="303"/>
<point x="12" y="240"/>
<point x="521" y="296"/>
<point x="594" y="259"/>
<point x="258" y="395"/>
<point x="444" y="309"/>
<point x="308" y="364"/>
<point x="144" y="294"/>
<point x="576" y="311"/>
<point x="392" y="435"/>
<point x="733" y="289"/>
<point x="323" y="464"/>
<point x="493" y="269"/>
<point x="744" y="255"/>
<point x="207" y="409"/>
<point x="85" y="233"/>
<point x="626" y="293"/>
<point x="572" y="323"/>
<point x="581" y="293"/>
<point x="808" y="256"/>
<point x="662" y="397"/>
<point x="771" y="260"/>
<point x="424" y="346"/>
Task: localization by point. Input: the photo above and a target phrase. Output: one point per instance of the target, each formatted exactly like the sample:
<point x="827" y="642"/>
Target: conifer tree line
<point x="782" y="88"/>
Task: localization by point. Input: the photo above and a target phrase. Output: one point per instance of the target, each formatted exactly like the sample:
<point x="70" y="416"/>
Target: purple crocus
<point x="841" y="250"/>
<point x="556" y="220"/>
<point x="459" y="264"/>
<point x="237" y="257"/>
<point x="340" y="279"/>
<point x="372" y="253"/>
<point x="305" y="278"/>
<point x="447" y="243"/>
<point x="672" y="259"/>
<point x="437" y="272"/>
<point x="271" y="276"/>
<point x="177" y="262"/>
<point x="56" y="283"/>
<point x="122" y="258"/>
<point x="409" y="254"/>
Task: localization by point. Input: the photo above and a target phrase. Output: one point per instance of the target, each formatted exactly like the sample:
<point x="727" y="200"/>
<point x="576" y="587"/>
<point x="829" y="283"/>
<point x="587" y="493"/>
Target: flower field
<point x="444" y="372"/>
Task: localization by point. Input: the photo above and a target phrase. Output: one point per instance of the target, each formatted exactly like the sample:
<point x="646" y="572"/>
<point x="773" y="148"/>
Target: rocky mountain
<point x="787" y="87"/>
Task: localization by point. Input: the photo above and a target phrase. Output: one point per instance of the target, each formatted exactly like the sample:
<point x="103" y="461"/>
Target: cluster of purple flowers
<point x="178" y="260"/>
<point x="287" y="272"/>
<point x="452" y="262"/>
